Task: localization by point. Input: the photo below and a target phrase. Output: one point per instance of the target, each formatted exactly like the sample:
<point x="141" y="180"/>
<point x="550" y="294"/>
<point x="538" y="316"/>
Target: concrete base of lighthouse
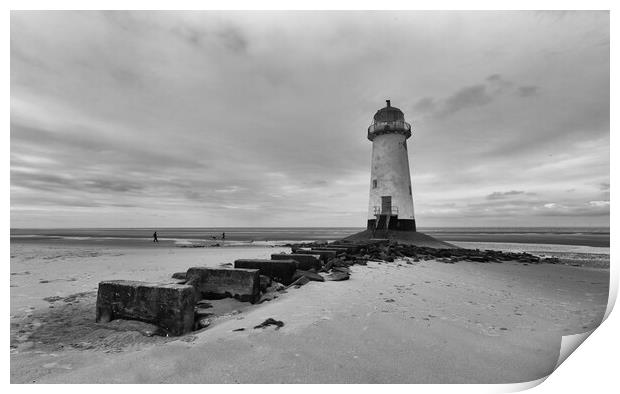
<point x="403" y="237"/>
<point x="393" y="224"/>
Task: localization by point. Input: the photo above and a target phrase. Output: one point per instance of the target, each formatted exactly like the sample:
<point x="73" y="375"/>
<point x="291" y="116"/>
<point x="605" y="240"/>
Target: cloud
<point x="501" y="195"/>
<point x="473" y="96"/>
<point x="228" y="36"/>
<point x="527" y="91"/>
<point x="464" y="98"/>
<point x="244" y="118"/>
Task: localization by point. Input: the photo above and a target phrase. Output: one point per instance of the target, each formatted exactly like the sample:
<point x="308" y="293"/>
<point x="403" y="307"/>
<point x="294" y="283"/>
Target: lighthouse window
<point x="374" y="183"/>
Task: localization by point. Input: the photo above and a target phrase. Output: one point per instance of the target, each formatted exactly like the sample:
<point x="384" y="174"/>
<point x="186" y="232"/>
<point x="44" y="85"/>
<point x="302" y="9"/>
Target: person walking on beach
<point x="223" y="236"/>
<point x="155" y="237"/>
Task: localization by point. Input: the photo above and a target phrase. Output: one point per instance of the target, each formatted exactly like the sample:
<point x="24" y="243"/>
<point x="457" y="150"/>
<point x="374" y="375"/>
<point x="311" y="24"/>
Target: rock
<point x="200" y="312"/>
<point x="337" y="276"/>
<point x="203" y="323"/>
<point x="310" y="275"/>
<point x="179" y="275"/>
<point x="346" y="270"/>
<point x="169" y="306"/>
<point x="242" y="284"/>
<point x="265" y="282"/>
<point x="204" y="304"/>
<point x="299" y="282"/>
<point x="479" y="259"/>
<point x="270" y="322"/>
<point x="279" y="270"/>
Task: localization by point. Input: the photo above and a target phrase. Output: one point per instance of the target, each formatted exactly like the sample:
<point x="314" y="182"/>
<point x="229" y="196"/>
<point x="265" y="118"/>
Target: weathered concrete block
<point x="342" y="248"/>
<point x="243" y="284"/>
<point x="169" y="306"/>
<point x="325" y="254"/>
<point x="279" y="270"/>
<point x="336" y="251"/>
<point x="179" y="275"/>
<point x="353" y="248"/>
<point x="304" y="261"/>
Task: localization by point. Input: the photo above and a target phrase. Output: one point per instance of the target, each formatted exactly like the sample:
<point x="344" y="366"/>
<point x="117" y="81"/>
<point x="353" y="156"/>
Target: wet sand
<point x="401" y="322"/>
<point x="596" y="240"/>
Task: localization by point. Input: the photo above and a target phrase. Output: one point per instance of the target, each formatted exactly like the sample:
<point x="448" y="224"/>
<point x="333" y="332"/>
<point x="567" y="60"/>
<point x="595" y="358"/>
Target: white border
<point x="593" y="368"/>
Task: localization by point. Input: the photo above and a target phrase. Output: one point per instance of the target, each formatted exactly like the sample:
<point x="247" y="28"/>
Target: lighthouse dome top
<point x="389" y="114"/>
<point x="389" y="120"/>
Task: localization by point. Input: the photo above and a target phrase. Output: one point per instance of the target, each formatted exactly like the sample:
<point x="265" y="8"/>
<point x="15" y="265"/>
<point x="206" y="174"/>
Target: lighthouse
<point x="390" y="206"/>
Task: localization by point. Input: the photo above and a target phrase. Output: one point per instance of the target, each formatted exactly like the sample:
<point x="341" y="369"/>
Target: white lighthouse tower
<point x="390" y="205"/>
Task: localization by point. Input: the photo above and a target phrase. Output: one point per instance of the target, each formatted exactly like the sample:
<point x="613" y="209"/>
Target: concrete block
<point x="352" y="248"/>
<point x="169" y="306"/>
<point x="343" y="248"/>
<point x="242" y="284"/>
<point x="325" y="254"/>
<point x="304" y="261"/>
<point x="279" y="270"/>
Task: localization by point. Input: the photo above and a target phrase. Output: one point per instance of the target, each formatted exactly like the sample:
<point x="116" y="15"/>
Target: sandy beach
<point x="400" y="322"/>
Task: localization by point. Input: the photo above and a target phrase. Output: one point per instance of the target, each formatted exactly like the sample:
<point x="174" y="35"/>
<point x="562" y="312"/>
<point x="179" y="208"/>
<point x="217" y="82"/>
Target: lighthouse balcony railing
<point x="394" y="125"/>
<point x="385" y="211"/>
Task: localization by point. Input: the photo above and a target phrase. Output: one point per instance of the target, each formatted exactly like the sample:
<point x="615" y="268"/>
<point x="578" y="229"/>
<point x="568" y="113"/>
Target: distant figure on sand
<point x="223" y="236"/>
<point x="155" y="237"/>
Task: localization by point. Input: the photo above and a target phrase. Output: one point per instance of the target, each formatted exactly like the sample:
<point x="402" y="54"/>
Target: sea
<point x="573" y="245"/>
<point x="586" y="236"/>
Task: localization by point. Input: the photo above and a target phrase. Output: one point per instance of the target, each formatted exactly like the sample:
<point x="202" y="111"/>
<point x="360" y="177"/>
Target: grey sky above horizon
<point x="165" y="119"/>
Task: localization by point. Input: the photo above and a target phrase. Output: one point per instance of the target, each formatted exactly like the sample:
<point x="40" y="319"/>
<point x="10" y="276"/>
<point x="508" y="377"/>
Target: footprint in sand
<point x="56" y="365"/>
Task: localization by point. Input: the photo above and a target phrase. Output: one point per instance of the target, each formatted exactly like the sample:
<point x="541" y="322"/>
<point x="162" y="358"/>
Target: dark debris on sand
<point x="270" y="322"/>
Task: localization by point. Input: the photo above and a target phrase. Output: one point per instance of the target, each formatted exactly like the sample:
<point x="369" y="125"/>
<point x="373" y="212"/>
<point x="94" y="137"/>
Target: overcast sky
<point x="153" y="119"/>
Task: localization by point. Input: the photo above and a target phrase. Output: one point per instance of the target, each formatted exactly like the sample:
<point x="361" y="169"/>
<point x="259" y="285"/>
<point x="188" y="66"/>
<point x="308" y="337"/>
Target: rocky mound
<point x="402" y="237"/>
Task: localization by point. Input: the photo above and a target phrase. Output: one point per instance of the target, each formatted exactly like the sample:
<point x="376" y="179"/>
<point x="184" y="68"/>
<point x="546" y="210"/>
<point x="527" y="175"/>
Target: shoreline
<point x="595" y="237"/>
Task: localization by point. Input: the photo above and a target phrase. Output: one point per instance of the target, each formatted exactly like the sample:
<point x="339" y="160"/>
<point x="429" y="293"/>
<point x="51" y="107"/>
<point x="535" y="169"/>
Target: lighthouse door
<point x="386" y="205"/>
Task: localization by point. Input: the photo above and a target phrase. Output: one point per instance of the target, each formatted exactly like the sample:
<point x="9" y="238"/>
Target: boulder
<point x="279" y="270"/>
<point x="304" y="261"/>
<point x="169" y="306"/>
<point x="214" y="283"/>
